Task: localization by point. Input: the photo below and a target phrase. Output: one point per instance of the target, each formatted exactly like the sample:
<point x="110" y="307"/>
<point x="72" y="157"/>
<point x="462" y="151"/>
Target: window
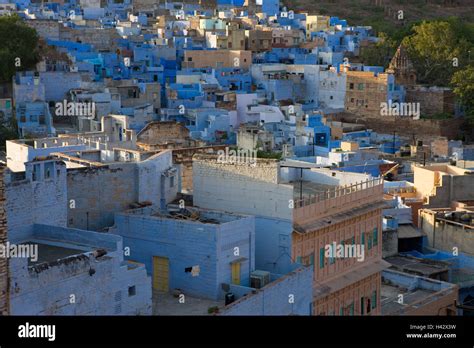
<point x="331" y="97"/>
<point x="172" y="181"/>
<point x="351" y="309"/>
<point x="351" y="86"/>
<point x="369" y="241"/>
<point x="132" y="291"/>
<point x="375" y="236"/>
<point x="361" y="306"/>
<point x="341" y="311"/>
<point x="36" y="170"/>
<point x="321" y="258"/>
<point x="374" y="299"/>
<point x="298" y="259"/>
<point x="305" y="260"/>
<point x="362" y="239"/>
<point x="190" y="59"/>
<point x="360" y="86"/>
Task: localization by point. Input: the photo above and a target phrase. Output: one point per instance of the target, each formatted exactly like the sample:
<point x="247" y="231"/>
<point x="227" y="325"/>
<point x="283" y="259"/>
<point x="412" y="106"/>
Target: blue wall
<point x="187" y="244"/>
<point x="289" y="295"/>
<point x="273" y="245"/>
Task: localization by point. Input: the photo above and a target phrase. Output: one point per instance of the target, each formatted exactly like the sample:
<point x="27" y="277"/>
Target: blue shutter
<point x="321" y="258"/>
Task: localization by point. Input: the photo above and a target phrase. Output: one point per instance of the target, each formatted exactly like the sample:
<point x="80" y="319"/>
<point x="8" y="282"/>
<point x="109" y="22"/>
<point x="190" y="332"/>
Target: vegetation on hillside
<point x="18" y="51"/>
<point x="19" y="47"/>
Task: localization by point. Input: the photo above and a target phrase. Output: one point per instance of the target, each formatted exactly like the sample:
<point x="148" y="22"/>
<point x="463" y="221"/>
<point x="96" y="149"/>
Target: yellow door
<point x="160" y="273"/>
<point x="236" y="273"/>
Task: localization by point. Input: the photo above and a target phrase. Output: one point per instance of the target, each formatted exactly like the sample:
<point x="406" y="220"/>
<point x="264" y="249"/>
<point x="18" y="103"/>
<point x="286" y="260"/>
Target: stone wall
<point x="161" y="132"/>
<point x="101" y="192"/>
<point x="100" y="38"/>
<point x="184" y="157"/>
<point x="445" y="235"/>
<point x="423" y="129"/>
<point x="265" y="170"/>
<point x="43" y="201"/>
<point x="432" y="100"/>
<point x="46" y="28"/>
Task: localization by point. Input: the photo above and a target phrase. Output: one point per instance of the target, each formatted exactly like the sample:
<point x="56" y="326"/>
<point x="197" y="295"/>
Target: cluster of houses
<point x="206" y="157"/>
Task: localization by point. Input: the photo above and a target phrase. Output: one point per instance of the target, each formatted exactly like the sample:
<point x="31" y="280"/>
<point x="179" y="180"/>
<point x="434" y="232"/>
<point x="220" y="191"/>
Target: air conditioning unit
<point x="258" y="279"/>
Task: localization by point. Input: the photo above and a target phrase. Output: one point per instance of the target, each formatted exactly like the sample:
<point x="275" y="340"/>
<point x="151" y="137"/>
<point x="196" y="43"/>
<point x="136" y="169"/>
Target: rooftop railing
<point x="337" y="200"/>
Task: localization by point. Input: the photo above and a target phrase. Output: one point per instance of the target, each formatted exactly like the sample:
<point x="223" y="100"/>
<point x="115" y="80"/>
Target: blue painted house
<point x="195" y="255"/>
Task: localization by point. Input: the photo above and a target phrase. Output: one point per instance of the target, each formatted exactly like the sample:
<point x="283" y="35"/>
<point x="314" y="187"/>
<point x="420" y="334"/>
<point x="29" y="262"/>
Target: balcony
<point x="336" y="200"/>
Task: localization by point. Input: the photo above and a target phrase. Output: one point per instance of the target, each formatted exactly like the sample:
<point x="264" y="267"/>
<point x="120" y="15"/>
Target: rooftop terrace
<point x="416" y="292"/>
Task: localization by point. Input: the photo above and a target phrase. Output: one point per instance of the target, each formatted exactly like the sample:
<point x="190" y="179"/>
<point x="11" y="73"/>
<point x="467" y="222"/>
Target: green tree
<point x="433" y="48"/>
<point x="463" y="87"/>
<point x="381" y="53"/>
<point x="17" y="41"/>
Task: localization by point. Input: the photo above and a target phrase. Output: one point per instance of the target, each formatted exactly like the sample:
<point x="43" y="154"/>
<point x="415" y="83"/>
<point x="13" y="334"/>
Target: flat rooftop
<point x="389" y="297"/>
<point x="309" y="188"/>
<point x="446" y="169"/>
<point x="187" y="214"/>
<point x="421" y="267"/>
<point x="164" y="303"/>
<point x="416" y="291"/>
<point x="49" y="253"/>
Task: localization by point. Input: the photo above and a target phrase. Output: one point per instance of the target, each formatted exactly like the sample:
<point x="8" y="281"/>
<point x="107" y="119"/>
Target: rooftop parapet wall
<point x="266" y="170"/>
<point x="241" y="188"/>
<point x="339" y="199"/>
